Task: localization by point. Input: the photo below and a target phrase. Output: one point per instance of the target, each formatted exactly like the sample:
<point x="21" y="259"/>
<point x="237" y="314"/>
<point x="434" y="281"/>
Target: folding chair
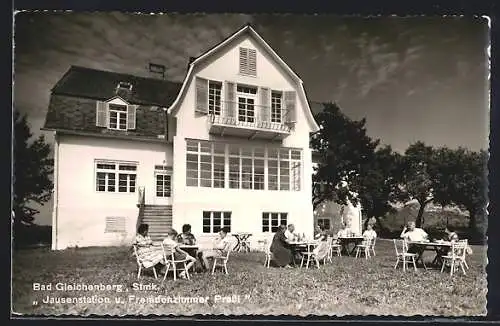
<point x="457" y="257"/>
<point x="140" y="264"/>
<point x="170" y="260"/>
<point x="403" y="255"/>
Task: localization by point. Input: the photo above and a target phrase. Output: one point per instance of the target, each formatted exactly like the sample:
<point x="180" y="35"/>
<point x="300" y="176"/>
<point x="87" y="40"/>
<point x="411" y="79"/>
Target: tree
<point x="33" y="168"/>
<point x="343" y="147"/>
<point x="379" y="181"/>
<point x="417" y="181"/>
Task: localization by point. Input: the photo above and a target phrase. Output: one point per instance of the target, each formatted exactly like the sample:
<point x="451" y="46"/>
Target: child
<point x="172" y="246"/>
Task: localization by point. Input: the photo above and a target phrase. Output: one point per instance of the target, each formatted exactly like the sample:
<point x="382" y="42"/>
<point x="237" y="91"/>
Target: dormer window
<point x="248" y="61"/>
<point x="117" y="117"/>
<point x="124" y="86"/>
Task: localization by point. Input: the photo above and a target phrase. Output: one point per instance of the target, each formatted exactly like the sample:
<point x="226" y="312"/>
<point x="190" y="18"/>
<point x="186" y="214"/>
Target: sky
<point x="413" y="78"/>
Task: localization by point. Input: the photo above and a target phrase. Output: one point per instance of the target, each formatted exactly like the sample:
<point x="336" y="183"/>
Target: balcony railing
<point x="249" y="116"/>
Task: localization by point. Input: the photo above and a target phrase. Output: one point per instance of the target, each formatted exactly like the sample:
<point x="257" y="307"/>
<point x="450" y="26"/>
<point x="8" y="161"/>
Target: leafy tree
<point x="343" y="148"/>
<point x="417" y="181"/>
<point x="379" y="181"/>
<point x="33" y="168"/>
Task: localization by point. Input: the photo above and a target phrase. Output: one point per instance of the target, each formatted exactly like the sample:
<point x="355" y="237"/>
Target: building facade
<point x="227" y="147"/>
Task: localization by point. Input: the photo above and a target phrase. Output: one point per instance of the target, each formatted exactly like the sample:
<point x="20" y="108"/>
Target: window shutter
<point x="101" y="114"/>
<point x="252" y="62"/>
<point x="201" y="95"/>
<point x="230" y="99"/>
<point x="265" y="99"/>
<point x="131" y="116"/>
<point x="290" y="106"/>
<point x="243" y="60"/>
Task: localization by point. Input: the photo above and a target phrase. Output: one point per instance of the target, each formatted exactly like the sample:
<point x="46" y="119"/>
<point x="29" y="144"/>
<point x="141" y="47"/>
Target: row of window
<point x="122" y="177"/>
<point x="214" y="221"/>
<point x="218" y="165"/>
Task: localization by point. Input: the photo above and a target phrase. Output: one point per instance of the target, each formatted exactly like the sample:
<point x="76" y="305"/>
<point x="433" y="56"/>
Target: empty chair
<point x="268" y="253"/>
<point x="456" y="258"/>
<point x="372" y="247"/>
<point x="466" y="249"/>
<point x="335" y="248"/>
<point x="403" y="255"/>
<point x="329" y="241"/>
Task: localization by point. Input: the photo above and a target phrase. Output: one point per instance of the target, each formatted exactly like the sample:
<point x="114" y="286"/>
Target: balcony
<point x="248" y="121"/>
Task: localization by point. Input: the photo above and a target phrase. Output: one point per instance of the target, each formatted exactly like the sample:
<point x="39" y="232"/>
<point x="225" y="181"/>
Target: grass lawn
<point x="348" y="286"/>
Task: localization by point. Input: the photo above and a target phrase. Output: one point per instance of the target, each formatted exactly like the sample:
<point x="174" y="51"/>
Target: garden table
<point x="345" y="241"/>
<point x="439" y="247"/>
<point x="297" y="246"/>
<point x="242" y="243"/>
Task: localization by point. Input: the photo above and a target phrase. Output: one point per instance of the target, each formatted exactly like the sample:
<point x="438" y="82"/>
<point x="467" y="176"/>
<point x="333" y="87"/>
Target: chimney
<point x="191" y="59"/>
<point x="157" y="69"/>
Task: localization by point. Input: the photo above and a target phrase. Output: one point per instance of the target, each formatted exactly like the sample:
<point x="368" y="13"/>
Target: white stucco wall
<point x="246" y="206"/>
<point x="81" y="211"/>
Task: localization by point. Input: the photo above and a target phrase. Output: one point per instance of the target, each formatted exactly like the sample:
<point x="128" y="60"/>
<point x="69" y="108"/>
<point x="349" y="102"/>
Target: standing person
<point x="222" y="245"/>
<point x="172" y="247"/>
<point x="280" y="248"/>
<point x="149" y="254"/>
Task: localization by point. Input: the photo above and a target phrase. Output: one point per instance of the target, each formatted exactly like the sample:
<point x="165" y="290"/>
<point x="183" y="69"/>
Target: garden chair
<point x="268" y="253"/>
<point x="335" y="248"/>
<point x="364" y="248"/>
<point x="403" y="255"/>
<point x="467" y="247"/>
<point x="456" y="258"/>
<point x="140" y="264"/>
<point x="309" y="256"/>
<point x="170" y="260"/>
<point x="221" y="261"/>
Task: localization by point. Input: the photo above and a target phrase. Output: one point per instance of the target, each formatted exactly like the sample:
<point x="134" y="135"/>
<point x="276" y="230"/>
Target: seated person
<point x="221" y="246"/>
<point x="280" y="248"/>
<point x="451" y="235"/>
<point x="369" y="232"/>
<point x="172" y="247"/>
<point x="414" y="234"/>
<point x="319" y="233"/>
<point x="289" y="233"/>
<point x="186" y="237"/>
<point x="149" y="254"/>
<point x="344" y="231"/>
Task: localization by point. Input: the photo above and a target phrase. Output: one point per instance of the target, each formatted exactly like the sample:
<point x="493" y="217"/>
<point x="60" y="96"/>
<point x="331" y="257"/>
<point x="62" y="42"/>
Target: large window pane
<point x="234" y="172"/>
<point x="246" y="173"/>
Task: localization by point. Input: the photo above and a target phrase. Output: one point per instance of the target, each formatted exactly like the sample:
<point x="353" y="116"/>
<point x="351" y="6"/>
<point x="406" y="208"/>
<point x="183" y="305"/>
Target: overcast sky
<point x="412" y="78"/>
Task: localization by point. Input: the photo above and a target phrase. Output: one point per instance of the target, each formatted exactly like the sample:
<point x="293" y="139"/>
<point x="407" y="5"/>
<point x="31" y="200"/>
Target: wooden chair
<point x="309" y="255"/>
<point x="170" y="260"/>
<point x="364" y="248"/>
<point x="403" y="255"/>
<point x="140" y="264"/>
<point x="221" y="261"/>
<point x="456" y="258"/>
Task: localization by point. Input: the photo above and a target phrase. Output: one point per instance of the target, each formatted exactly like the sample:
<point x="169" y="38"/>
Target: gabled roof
<point x="101" y="85"/>
<point x="247" y="29"/>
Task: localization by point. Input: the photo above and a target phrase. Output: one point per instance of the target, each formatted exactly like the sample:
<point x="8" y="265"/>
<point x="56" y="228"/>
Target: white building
<point x="227" y="147"/>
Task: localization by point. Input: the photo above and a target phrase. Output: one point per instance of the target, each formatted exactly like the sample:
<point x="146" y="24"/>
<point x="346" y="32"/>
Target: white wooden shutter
<point x="101" y="119"/>
<point x="244" y="61"/>
<point x="131" y="116"/>
<point x="230" y="99"/>
<point x="252" y="62"/>
<point x="265" y="102"/>
<point x="290" y="106"/>
<point x="201" y="95"/>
